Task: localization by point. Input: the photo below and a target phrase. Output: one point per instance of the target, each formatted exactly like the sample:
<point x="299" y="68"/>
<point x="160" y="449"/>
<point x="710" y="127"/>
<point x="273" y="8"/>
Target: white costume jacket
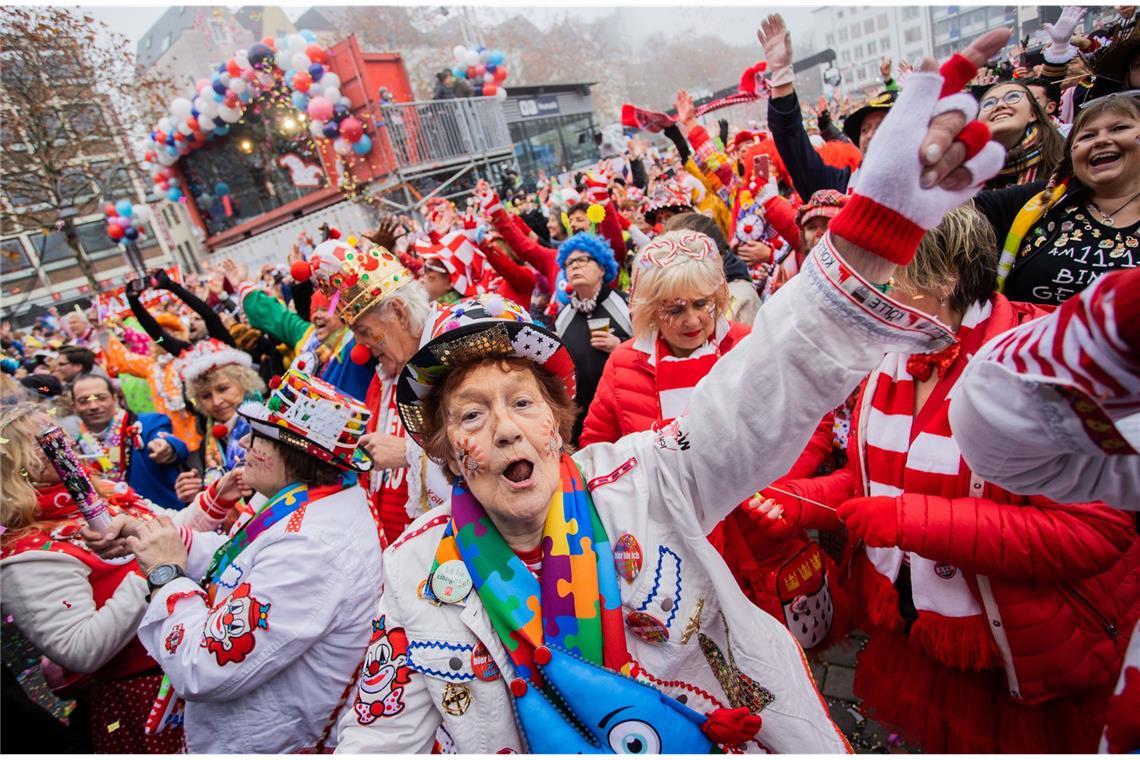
<point x="689" y="628"/>
<point x="264" y="670"/>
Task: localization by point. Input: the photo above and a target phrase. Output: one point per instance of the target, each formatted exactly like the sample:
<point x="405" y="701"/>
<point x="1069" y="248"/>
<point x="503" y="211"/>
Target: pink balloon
<point x="351" y="129"/>
<point x="480" y="69"/>
<point x="320" y="108"/>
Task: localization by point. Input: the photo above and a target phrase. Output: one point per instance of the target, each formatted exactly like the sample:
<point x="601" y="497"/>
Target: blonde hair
<point x="682" y="264"/>
<point x="246" y="378"/>
<point x="956" y="260"/>
<point x="18" y="505"/>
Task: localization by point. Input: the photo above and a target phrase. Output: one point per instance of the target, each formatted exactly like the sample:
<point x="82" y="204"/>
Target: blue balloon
<point x="491" y="68"/>
<point x="331" y="130"/>
<point x="221" y="68"/>
<point x="173" y="195"/>
<point x="316" y="71"/>
<point x="124" y="208"/>
<point x="130" y="233"/>
<point x="497" y="58"/>
<point x="219" y="97"/>
<point x="171" y="150"/>
<point x="221" y="188"/>
<point x="363" y="146"/>
<point x="195" y="112"/>
<point x="260" y="56"/>
<point x="341" y="112"/>
<point x="300" y="100"/>
<point x="219" y="88"/>
<point x="222" y="130"/>
<point x="460" y="72"/>
<point x="308" y="35"/>
<point x="244" y="97"/>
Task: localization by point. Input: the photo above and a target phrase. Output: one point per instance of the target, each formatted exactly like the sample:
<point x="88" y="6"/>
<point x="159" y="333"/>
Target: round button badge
<point x="451" y="583"/>
<point x="483" y="664"/>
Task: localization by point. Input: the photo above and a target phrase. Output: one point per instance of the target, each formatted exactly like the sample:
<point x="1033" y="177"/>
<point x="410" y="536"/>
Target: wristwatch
<point x="160" y="575"/>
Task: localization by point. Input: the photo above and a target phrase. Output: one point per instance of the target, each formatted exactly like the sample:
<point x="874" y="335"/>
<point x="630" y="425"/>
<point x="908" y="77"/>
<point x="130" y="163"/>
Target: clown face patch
<point x="380" y="691"/>
<point x="231" y="626"/>
<point x="174" y="638"/>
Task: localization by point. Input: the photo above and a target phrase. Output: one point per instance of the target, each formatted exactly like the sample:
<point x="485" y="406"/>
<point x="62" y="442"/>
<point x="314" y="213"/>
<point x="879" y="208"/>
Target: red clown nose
<point x="219" y="430"/>
<point x="360" y="354"/>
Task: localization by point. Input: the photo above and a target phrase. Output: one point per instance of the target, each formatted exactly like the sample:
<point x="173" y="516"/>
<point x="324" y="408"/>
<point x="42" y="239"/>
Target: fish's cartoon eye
<point x="634" y="737"/>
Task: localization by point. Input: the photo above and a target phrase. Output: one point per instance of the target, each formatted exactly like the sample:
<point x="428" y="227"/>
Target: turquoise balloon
<point x="363" y="146"/>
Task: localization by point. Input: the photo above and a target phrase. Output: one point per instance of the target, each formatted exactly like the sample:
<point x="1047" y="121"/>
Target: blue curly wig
<point x="596" y="247"/>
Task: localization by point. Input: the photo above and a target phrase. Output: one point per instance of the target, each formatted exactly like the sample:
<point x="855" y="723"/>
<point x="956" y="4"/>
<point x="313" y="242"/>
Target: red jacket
<point x="626" y="400"/>
<point x="1058" y="583"/>
<point x="517" y="279"/>
<point x="516" y="234"/>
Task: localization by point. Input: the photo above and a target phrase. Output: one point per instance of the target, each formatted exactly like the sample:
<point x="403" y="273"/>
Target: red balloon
<point x="115" y="232"/>
<point x="480" y="69"/>
<point x="489" y="88"/>
<point x="316" y="54"/>
<point x="500" y="74"/>
<point x="160" y="137"/>
<point x="149" y="155"/>
<point x="302" y="81"/>
<point x="192" y="123"/>
<point x="351" y="129"/>
<point x="269" y="43"/>
<point x="359" y="354"/>
<point x="233" y="68"/>
<point x="470" y="72"/>
<point x="110" y="210"/>
<point x="231" y="101"/>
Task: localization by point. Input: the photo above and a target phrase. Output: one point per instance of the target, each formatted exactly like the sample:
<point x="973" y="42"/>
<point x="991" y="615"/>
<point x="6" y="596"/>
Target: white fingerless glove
<point x="889" y="210"/>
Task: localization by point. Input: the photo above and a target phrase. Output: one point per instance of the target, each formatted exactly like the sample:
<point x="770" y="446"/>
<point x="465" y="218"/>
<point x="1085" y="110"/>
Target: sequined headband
<point x="664" y="251"/>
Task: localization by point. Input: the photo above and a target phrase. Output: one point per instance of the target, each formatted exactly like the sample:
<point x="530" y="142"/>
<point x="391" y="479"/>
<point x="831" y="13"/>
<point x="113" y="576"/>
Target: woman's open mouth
<point x="1104" y="158"/>
<point x="519" y="473"/>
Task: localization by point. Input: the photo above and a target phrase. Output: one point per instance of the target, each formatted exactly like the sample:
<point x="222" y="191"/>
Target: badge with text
<point x="628" y="557"/>
<point x="451" y="582"/>
<point x="483" y="665"/>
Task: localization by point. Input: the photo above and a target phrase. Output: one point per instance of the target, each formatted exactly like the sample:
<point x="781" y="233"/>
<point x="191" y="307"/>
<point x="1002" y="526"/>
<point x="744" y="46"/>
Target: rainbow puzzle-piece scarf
<point x="565" y="633"/>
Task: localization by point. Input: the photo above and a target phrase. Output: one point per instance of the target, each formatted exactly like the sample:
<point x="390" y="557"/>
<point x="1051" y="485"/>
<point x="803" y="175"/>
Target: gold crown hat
<point x="356" y="280"/>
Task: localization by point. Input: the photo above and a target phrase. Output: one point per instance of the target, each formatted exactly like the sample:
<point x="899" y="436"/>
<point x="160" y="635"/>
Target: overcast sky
<point x="735" y="25"/>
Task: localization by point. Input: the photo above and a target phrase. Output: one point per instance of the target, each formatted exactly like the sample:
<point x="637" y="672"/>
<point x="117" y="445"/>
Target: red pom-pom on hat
<point x="360" y="354"/>
<point x="300" y="271"/>
<point x="731" y="725"/>
<point x="334" y="233"/>
<point x="219" y="430"/>
<point x="275" y="382"/>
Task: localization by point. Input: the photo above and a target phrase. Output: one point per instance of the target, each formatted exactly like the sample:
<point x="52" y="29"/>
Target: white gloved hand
<point x="1061" y="50"/>
<point x="777" y="43"/>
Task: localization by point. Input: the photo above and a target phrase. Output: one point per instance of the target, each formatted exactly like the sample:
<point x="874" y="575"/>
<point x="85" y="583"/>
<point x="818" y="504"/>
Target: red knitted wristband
<point x="877" y="228"/>
<point x="956" y="72"/>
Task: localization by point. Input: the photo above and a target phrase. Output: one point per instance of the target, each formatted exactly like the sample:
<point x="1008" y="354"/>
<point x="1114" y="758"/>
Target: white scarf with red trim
<point x="677" y="376"/>
<point x="929" y="464"/>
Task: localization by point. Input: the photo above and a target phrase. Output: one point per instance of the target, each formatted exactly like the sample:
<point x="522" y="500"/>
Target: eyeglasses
<point x="1011" y="98"/>
<point x="674" y="311"/>
<point x="578" y="261"/>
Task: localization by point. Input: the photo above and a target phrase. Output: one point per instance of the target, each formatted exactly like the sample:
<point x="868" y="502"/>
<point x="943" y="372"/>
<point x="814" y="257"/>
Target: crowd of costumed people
<point x="605" y="462"/>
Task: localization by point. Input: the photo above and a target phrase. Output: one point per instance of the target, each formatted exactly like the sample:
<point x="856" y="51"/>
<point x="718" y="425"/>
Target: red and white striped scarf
<point x="677" y="376"/>
<point x="917" y="454"/>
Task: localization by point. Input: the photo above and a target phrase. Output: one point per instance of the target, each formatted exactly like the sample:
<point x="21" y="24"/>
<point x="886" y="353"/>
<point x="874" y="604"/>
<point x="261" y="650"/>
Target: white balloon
<point x="157" y="190"/>
<point x="209" y="107"/>
<point x="342" y="146"/>
<point x="296" y="41"/>
<point x="225" y="78"/>
<point x="180" y="108"/>
<point x="184" y="129"/>
<point x="471" y="58"/>
<point x="238" y="85"/>
<point x="165" y="125"/>
<point x="485" y="56"/>
<point x="332" y="94"/>
<point x="242" y="58"/>
<point x="206" y="123"/>
<point x="266" y="78"/>
<point x="330" y="80"/>
<point x="229" y="115"/>
<point x="344" y="101"/>
<point x="166" y="159"/>
<point x="500" y="94"/>
<point x="459" y="53"/>
<point x="300" y="62"/>
<point x="317" y="129"/>
<point x="142" y="213"/>
<point x="488" y="77"/>
<point x="174" y="182"/>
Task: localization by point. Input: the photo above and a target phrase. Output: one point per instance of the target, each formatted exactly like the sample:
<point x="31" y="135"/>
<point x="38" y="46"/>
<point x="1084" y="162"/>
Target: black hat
<point x="45" y="386"/>
<point x="854" y="123"/>
<point x="1114" y="60"/>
